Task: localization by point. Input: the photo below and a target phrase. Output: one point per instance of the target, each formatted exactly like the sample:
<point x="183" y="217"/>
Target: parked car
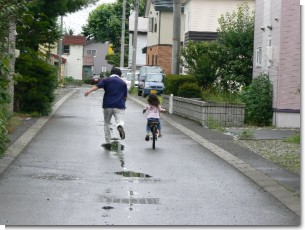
<point x="153" y="84"/>
<point x="128" y="79"/>
<point x="95" y="79"/>
<point x="144" y="71"/>
<point x="124" y="71"/>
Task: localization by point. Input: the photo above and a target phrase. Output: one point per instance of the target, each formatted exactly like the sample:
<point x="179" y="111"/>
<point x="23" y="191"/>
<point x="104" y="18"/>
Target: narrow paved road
<point x="64" y="177"/>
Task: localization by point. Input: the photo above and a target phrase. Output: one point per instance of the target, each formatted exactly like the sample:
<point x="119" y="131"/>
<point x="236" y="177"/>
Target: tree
<point x="104" y="23"/>
<point x="236" y="37"/>
<point x="38" y="26"/>
<point x="201" y="60"/>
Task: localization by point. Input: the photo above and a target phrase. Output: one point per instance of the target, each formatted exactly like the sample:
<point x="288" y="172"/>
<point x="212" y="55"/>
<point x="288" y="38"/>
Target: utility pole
<point x="60" y="48"/>
<point x="176" y="37"/>
<point x="134" y="44"/>
<point x="123" y="34"/>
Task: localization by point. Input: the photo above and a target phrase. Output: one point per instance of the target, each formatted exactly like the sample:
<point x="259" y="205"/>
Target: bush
<point x="217" y="95"/>
<point x="35" y="84"/>
<point x="189" y="90"/>
<point x="172" y="82"/>
<point x="258" y="99"/>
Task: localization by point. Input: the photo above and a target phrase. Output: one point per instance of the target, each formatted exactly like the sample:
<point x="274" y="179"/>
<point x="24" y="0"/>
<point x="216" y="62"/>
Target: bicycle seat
<point x="153" y="123"/>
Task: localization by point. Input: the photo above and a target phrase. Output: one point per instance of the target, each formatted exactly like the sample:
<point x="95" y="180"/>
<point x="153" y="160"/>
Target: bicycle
<point x="154" y="132"/>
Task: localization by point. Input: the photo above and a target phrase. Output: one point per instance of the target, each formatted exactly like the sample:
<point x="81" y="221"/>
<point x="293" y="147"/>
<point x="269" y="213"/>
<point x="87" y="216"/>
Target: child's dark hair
<point x="153" y="100"/>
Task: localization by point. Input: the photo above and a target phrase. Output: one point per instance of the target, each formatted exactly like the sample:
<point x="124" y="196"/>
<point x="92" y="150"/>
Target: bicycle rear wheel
<point x="154" y="136"/>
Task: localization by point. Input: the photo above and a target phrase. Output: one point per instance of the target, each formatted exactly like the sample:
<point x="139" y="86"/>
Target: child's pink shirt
<point x="153" y="111"/>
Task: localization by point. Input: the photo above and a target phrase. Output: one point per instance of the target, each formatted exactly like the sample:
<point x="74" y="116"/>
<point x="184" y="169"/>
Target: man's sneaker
<point x="147" y="138"/>
<point x="121" y="131"/>
<point x="106" y="145"/>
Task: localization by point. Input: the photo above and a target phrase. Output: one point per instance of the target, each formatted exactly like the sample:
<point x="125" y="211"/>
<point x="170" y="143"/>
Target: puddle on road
<point x="107" y="207"/>
<point x="115" y="146"/>
<point x="55" y="177"/>
<point x="133" y="174"/>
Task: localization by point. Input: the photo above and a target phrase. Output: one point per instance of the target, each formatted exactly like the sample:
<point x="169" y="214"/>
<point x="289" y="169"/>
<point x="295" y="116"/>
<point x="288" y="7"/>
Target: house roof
<point x="74" y="40"/>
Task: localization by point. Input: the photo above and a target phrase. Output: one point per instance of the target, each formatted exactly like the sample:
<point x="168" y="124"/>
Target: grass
<point x="214" y="95"/>
<point x="246" y="134"/>
<point x="294" y="139"/>
<point x="213" y="124"/>
<point x="16" y="120"/>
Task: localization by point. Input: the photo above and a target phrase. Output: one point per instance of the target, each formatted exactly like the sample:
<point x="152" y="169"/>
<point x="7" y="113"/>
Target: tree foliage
<point x="201" y="61"/>
<point x="236" y="38"/>
<point x="105" y="22"/>
<point x="229" y="58"/>
<point x="34" y="89"/>
<point x="38" y="26"/>
<point x="258" y="99"/>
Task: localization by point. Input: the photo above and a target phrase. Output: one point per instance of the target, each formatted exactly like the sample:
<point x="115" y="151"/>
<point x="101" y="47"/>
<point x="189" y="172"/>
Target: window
<point x="153" y="60"/>
<point x="156" y="25"/>
<point x="91" y="52"/>
<point x="66" y="49"/>
<point x="156" y="58"/>
<point x="150" y="24"/>
<point x="259" y="57"/>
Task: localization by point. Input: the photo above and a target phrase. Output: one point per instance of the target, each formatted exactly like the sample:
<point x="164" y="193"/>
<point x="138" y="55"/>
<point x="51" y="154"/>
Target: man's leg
<point x="118" y="116"/>
<point x="107" y="119"/>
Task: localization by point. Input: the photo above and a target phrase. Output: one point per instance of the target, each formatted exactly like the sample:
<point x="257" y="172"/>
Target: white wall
<point x="203" y="15"/>
<point x="74" y="64"/>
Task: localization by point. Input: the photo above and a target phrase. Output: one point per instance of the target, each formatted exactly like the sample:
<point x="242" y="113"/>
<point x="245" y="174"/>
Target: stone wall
<point x="228" y="115"/>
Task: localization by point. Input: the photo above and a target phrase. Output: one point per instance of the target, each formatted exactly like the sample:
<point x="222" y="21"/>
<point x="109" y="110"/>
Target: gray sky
<point x="76" y="20"/>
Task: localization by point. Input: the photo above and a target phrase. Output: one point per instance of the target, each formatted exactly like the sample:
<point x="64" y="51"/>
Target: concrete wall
<point x="225" y="114"/>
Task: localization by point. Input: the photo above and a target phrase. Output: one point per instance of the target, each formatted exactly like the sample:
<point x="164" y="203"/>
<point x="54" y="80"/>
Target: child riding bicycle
<point x="153" y="109"/>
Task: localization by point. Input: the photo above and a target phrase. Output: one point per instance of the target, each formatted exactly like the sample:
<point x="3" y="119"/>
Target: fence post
<point x="170" y="106"/>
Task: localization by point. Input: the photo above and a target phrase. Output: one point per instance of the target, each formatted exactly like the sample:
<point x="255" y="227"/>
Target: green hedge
<point x="36" y="82"/>
<point x="258" y="99"/>
<point x="189" y="90"/>
<point x="172" y="82"/>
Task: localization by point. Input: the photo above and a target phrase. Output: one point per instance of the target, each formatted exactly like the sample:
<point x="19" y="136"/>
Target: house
<point x="95" y="58"/>
<point x="73" y="52"/>
<point x="277" y="52"/>
<point x="201" y="17"/>
<point x="141" y="40"/>
<point x="160" y="33"/>
<point x="199" y="22"/>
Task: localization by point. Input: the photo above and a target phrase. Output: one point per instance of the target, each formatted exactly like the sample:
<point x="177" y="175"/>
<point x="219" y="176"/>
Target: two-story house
<point x="201" y="17"/>
<point x="73" y="52"/>
<point x="95" y="53"/>
<point x="277" y="52"/>
<point x="141" y="40"/>
<point x="160" y="33"/>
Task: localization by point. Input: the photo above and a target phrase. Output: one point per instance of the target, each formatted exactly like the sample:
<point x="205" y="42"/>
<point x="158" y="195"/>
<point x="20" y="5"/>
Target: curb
<point x="286" y="197"/>
<point x="17" y="147"/>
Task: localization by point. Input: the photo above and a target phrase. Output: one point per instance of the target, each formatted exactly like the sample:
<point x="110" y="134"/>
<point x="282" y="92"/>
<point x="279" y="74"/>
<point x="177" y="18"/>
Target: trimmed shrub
<point x="172" y="82"/>
<point x="35" y="84"/>
<point x="258" y="99"/>
<point x="189" y="90"/>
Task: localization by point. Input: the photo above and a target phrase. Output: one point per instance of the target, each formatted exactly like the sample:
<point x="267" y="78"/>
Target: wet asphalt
<point x="262" y="195"/>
